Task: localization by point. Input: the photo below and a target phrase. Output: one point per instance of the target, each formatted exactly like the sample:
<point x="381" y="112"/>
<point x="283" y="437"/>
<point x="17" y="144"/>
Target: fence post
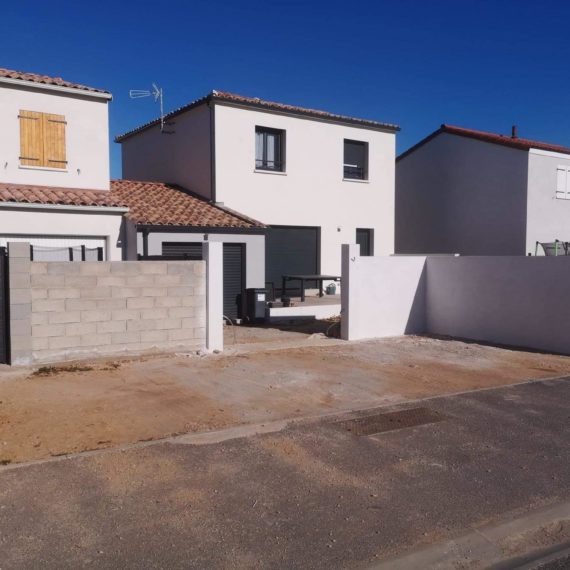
<point x="20" y="302"/>
<point x="212" y="253"/>
<point x="350" y="253"/>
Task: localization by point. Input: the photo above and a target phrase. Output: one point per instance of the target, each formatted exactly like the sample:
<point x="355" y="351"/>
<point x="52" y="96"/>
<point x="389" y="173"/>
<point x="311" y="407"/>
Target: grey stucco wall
<point x="548" y="217"/>
<point x="69" y="310"/>
<point x="182" y="157"/>
<point x="459" y="195"/>
<point x="516" y="300"/>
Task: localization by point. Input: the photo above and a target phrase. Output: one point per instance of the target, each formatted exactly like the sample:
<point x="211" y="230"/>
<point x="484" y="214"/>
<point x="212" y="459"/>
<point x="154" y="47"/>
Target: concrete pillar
<point x="19" y="268"/>
<point x="213" y="254"/>
<point x="350" y="253"/>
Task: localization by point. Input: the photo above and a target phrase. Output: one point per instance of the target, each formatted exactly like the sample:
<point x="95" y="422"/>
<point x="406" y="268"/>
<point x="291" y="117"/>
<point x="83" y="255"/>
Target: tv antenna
<point x="156" y="92"/>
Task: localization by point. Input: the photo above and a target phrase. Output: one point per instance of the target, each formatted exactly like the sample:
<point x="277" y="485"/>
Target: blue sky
<point x="484" y="64"/>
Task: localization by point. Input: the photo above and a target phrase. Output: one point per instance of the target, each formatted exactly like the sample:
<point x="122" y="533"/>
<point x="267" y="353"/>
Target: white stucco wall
<point x="181" y="158"/>
<point x="254" y="249"/>
<point x="459" y="195"/>
<point x="513" y="300"/>
<point x="381" y="296"/>
<point x="548" y="218"/>
<point x="312" y="191"/>
<point x="87" y="138"/>
<point x="46" y="222"/>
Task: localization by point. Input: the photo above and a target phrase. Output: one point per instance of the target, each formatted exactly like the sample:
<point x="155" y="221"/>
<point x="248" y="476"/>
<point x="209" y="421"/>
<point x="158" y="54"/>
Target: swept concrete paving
<point x="310" y="496"/>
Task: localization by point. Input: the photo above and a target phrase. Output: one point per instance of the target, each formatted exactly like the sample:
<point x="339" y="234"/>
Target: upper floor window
<point x="563" y="183"/>
<point x="355" y="160"/>
<point x="42" y="139"/>
<point x="269" y="149"/>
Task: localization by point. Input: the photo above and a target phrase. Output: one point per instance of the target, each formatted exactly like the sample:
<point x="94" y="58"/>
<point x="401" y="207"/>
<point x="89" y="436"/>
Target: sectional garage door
<point x="291" y="250"/>
<point x="234" y="270"/>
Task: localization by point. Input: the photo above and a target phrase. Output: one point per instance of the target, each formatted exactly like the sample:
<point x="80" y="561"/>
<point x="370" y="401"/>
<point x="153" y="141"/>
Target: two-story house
<point x="479" y="193"/>
<point x="316" y="179"/>
<point x="54" y="168"/>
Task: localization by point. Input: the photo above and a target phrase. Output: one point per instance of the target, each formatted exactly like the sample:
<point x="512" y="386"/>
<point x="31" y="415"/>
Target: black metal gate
<point x="4" y="316"/>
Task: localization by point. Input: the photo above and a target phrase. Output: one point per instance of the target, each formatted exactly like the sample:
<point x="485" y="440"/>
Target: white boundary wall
<point x="511" y="300"/>
<point x="519" y="301"/>
<point x="381" y="296"/>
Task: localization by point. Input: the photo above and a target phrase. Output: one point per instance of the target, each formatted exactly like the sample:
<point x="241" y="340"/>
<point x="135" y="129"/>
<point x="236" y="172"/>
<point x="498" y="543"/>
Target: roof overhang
<point x="153" y="228"/>
<point x="217" y="98"/>
<point x="64" y="208"/>
<point x="58" y="88"/>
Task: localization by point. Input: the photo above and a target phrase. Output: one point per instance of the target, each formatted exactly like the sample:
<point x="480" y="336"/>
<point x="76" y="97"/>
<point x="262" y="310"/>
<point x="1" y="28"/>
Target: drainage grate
<point x="391" y="421"/>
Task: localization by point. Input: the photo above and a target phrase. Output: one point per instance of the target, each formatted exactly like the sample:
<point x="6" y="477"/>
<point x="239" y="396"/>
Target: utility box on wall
<point x="255" y="301"/>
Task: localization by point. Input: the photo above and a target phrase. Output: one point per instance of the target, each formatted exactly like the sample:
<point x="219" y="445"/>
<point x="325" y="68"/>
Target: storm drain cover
<point x="391" y="421"/>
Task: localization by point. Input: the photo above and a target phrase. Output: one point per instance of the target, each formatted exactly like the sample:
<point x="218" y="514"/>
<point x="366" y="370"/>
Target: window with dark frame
<point x="269" y="149"/>
<point x="355" y="160"/>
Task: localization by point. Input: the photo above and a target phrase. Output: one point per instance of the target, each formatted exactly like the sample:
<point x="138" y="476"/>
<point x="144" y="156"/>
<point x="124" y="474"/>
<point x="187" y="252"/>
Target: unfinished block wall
<point x="87" y="309"/>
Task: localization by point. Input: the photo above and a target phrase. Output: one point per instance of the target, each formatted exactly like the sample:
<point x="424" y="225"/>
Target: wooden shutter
<point x="54" y="141"/>
<point x="31" y="138"/>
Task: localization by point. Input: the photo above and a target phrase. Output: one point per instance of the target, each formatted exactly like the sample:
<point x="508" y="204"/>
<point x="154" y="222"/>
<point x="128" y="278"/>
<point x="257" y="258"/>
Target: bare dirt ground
<point x="92" y="405"/>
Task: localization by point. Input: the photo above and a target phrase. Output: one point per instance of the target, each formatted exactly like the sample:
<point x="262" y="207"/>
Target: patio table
<point x="303" y="278"/>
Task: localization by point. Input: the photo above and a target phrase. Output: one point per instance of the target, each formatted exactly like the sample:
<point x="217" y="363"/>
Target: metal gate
<point x="4" y="316"/>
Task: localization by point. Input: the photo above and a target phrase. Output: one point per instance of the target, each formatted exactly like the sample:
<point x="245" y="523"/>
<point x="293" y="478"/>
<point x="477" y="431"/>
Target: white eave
<point x="58" y="88"/>
<point x="64" y="207"/>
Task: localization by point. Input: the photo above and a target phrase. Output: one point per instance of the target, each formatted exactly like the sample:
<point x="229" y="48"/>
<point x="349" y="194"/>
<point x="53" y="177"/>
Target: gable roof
<point x="256" y="103"/>
<point x="53" y="195"/>
<point x="504" y="140"/>
<point x="159" y="204"/>
<point x="46" y="80"/>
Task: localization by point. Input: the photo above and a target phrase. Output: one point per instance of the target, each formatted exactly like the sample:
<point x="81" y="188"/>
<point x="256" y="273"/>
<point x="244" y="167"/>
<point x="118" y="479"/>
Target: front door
<point x="365" y="239"/>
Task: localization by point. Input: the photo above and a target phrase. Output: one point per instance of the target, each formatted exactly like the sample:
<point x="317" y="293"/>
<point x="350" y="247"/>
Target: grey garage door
<point x="3" y="306"/>
<point x="234" y="270"/>
<point x="291" y="250"/>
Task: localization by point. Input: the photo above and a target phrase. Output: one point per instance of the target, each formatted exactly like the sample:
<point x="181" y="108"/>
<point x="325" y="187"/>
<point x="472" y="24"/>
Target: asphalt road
<point x="308" y="497"/>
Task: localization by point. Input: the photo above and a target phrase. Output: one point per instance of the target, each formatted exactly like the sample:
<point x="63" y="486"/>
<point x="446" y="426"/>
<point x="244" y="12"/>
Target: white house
<point x="315" y="178"/>
<point x="54" y="167"/>
<point x="478" y="193"/>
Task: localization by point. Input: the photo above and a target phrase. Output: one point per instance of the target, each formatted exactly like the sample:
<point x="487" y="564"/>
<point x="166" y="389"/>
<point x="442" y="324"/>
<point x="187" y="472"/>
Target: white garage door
<point x="56" y="248"/>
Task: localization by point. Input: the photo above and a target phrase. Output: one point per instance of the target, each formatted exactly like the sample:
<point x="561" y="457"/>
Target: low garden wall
<point x="509" y="300"/>
<point x="70" y="310"/>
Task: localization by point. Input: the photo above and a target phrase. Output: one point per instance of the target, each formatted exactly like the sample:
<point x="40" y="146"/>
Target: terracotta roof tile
<point x="494" y="138"/>
<point x="46" y="80"/>
<point x="158" y="204"/>
<point x="256" y="103"/>
<point x="30" y="194"/>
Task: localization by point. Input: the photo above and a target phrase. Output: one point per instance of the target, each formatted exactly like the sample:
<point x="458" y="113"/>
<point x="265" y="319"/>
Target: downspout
<point x="145" y="242"/>
<point x="212" y="108"/>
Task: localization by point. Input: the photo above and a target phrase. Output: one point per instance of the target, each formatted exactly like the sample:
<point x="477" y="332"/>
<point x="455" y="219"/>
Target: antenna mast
<point x="157" y="94"/>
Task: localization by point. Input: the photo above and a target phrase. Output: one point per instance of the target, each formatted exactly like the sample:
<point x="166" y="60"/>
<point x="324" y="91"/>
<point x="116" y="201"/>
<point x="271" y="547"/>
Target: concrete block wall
<point x="68" y="310"/>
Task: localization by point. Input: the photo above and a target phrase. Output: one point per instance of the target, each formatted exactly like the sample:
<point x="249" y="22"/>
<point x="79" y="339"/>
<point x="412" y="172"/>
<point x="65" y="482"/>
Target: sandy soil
<point x="103" y="404"/>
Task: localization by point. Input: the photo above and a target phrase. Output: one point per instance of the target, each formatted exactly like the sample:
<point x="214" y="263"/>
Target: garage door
<point x="3" y="307"/>
<point x="234" y="270"/>
<point x="291" y="250"/>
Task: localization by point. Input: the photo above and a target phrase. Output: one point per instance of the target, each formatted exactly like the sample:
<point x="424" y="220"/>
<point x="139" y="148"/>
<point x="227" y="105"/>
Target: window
<point x="355" y="160"/>
<point x="269" y="149"/>
<point x="563" y="183"/>
<point x="42" y="139"/>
